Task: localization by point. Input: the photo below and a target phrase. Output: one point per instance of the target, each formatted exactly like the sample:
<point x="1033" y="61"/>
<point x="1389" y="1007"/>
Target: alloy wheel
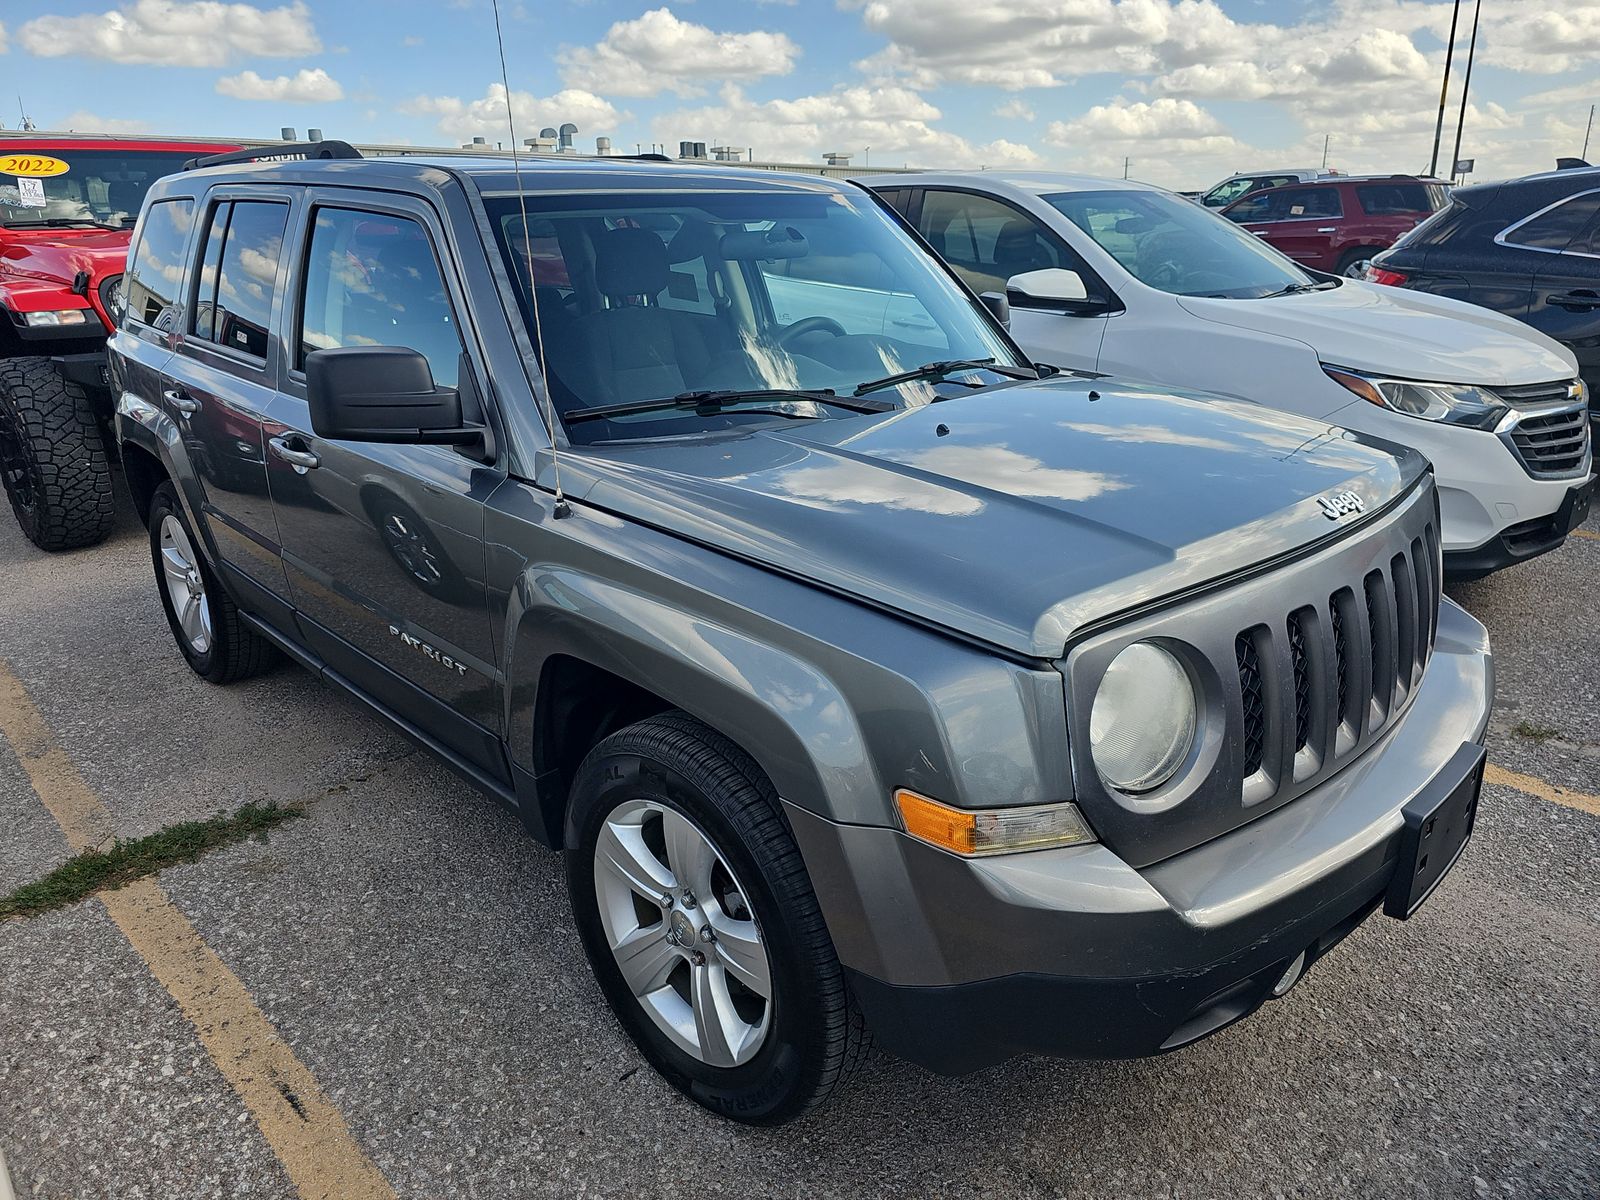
<point x="185" y="586"/>
<point x="678" y="923"/>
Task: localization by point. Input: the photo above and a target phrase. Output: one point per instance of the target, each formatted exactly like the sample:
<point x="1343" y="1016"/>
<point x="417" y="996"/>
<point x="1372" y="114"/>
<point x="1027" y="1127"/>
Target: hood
<point x="57" y="255"/>
<point x="1014" y="516"/>
<point x="1392" y="331"/>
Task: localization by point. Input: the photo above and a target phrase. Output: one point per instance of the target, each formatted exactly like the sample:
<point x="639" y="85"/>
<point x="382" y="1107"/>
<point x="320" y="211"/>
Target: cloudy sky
<point x="1189" y="90"/>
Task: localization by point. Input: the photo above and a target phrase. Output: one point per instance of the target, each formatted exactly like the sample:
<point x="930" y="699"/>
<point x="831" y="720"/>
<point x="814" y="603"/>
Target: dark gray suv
<point x="869" y="676"/>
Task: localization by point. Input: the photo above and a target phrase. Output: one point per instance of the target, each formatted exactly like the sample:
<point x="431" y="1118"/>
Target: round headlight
<point x="1142" y="722"/>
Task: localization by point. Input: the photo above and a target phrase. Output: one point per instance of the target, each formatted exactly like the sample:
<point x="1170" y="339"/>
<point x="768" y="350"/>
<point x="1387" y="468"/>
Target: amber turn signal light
<point x="972" y="832"/>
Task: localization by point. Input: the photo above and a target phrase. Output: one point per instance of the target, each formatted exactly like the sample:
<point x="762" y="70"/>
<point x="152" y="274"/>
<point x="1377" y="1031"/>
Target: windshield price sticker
<point x="30" y="193"/>
<point x="41" y="166"/>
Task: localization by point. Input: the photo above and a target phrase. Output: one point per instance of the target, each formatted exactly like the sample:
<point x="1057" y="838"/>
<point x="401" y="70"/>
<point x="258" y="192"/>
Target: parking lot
<point x="387" y="997"/>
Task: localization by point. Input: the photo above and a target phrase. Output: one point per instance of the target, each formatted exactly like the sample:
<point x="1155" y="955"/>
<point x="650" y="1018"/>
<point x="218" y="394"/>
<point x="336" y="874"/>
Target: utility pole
<point x="1126" y="163"/>
<point x="1466" y="85"/>
<point x="1586" y="133"/>
<point x="1444" y="87"/>
<point x="1326" y="138"/>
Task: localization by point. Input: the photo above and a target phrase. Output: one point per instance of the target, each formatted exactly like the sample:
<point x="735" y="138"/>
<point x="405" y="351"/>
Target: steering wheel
<point x="807" y="325"/>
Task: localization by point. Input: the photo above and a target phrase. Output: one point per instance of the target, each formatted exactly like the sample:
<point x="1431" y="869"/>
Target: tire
<point x="689" y="779"/>
<point x="53" y="458"/>
<point x="229" y="650"/>
<point x="1353" y="258"/>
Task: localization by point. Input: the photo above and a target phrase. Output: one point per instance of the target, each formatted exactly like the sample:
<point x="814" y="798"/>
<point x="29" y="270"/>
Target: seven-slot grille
<point x="1352" y="660"/>
<point x="1551" y="444"/>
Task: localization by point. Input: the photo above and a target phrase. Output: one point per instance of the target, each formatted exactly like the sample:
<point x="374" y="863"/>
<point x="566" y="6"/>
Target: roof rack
<point x="284" y="152"/>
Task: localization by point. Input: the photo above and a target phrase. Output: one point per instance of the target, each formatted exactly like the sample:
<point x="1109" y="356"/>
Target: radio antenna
<point x="562" y="509"/>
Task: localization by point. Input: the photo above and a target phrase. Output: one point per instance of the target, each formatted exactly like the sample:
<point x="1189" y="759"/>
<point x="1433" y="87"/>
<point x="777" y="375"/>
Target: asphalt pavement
<point x="410" y="949"/>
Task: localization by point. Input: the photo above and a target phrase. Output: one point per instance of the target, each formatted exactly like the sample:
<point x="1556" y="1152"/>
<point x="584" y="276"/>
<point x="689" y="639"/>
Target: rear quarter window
<point x="155" y="273"/>
<point x="1383" y="199"/>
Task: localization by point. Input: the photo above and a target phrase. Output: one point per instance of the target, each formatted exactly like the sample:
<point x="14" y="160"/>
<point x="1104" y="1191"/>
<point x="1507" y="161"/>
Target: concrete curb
<point x="5" y="1180"/>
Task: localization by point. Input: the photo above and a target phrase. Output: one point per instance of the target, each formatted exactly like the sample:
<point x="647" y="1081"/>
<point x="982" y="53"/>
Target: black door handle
<point x="1579" y="301"/>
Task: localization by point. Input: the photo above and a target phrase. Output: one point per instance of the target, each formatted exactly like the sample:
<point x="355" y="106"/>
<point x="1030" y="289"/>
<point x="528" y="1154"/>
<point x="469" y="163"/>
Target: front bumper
<point x="1525" y="540"/>
<point x="961" y="963"/>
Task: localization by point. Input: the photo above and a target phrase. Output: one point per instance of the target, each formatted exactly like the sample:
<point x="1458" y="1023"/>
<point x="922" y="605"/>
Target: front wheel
<point x="211" y="635"/>
<point x="52" y="458"/>
<point x="701" y="924"/>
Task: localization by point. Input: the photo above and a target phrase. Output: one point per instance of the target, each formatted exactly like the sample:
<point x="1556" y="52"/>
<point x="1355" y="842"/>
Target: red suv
<point x="1336" y="225"/>
<point x="67" y="210"/>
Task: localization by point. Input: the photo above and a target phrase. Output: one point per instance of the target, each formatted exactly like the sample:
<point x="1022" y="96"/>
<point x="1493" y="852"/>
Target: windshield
<point x="654" y="295"/>
<point x="1172" y="244"/>
<point x="97" y="187"/>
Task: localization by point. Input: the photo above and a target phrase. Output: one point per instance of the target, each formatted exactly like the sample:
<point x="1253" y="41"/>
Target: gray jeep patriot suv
<point x="869" y="676"/>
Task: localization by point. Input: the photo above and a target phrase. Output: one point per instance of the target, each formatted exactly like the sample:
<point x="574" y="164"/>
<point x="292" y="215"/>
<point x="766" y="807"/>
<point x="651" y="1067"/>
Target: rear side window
<point x="238" y="275"/>
<point x="156" y="273"/>
<point x="372" y="279"/>
<point x="1555" y="227"/>
<point x="1437" y="229"/>
<point x="1382" y="199"/>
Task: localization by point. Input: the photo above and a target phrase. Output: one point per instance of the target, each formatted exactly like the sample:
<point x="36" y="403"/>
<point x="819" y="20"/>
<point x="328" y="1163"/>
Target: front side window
<point x="1553" y="228"/>
<point x="66" y="188"/>
<point x="1305" y="204"/>
<point x="801" y="291"/>
<point x="1166" y="242"/>
<point x="233" y="302"/>
<point x="986" y="241"/>
<point x="156" y="273"/>
<point x="372" y="279"/>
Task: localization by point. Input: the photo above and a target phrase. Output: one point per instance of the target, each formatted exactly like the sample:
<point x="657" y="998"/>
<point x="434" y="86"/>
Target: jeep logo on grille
<point x="1340" y="504"/>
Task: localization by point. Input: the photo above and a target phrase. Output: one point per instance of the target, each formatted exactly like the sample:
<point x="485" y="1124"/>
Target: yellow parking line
<point x="1530" y="785"/>
<point x="1586" y="535"/>
<point x="299" y="1122"/>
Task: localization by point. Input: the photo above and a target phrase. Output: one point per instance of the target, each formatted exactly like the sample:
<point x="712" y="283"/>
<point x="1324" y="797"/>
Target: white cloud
<point x="306" y="86"/>
<point x="896" y="122"/>
<point x="658" y="52"/>
<point x="1014" y="109"/>
<point x="206" y="33"/>
<point x="88" y="122"/>
<point x="1137" y="121"/>
<point x="461" y="119"/>
<point x="4" y="47"/>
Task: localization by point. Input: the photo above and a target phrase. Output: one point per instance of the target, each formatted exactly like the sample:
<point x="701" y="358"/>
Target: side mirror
<point x="999" y="307"/>
<point x="382" y="394"/>
<point x="1055" y="289"/>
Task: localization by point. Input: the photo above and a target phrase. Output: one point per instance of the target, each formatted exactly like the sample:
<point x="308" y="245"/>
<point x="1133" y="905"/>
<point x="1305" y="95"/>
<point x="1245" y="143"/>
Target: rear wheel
<point x="1353" y="265"/>
<point x="52" y="458"/>
<point x="211" y="635"/>
<point x="701" y="924"/>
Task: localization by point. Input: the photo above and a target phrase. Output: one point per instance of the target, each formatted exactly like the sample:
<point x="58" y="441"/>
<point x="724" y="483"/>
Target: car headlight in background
<point x="111" y="298"/>
<point x="1450" y="403"/>
<point x="1143" y="720"/>
<point x="57" y="317"/>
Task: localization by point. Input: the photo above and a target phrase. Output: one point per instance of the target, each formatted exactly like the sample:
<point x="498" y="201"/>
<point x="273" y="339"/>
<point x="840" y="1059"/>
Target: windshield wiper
<point x="710" y="403"/>
<point x="938" y="370"/>
<point x="61" y="223"/>
<point x="1294" y="289"/>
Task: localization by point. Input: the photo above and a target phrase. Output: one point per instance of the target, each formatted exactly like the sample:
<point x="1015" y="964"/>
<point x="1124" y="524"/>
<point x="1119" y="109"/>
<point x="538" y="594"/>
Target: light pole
<point x="1586" y="133"/>
<point x="1444" y="87"/>
<point x="1466" y="85"/>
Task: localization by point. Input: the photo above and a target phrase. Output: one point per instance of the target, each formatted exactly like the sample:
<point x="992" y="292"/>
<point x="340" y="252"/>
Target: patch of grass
<point x="1535" y="733"/>
<point x="98" y="870"/>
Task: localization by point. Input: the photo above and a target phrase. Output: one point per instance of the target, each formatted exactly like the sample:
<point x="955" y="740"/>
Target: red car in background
<point x="1336" y="225"/>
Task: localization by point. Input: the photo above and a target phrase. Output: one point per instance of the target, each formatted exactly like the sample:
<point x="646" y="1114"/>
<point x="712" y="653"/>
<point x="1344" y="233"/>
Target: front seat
<point x="1017" y="249"/>
<point x="633" y="349"/>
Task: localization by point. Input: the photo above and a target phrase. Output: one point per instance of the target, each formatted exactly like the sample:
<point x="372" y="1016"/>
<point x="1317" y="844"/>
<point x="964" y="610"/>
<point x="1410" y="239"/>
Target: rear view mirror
<point x="782" y="241"/>
<point x="382" y="394"/>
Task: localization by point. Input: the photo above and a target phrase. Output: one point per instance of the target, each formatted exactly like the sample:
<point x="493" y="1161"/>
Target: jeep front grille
<point x="1337" y="706"/>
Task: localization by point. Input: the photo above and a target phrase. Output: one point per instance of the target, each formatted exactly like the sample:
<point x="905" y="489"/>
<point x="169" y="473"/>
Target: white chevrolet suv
<point x="1130" y="280"/>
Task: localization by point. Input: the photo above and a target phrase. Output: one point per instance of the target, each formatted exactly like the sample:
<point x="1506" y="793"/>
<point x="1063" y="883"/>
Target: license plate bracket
<point x="1438" y="825"/>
